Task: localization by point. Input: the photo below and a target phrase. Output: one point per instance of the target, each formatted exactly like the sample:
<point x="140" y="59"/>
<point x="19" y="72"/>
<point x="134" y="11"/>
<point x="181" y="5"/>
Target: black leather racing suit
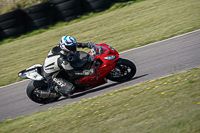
<point x="56" y="61"/>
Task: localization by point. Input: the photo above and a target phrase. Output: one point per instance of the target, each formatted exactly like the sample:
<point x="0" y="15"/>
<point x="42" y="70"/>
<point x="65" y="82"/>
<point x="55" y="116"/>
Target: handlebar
<point x="96" y="49"/>
<point x="99" y="49"/>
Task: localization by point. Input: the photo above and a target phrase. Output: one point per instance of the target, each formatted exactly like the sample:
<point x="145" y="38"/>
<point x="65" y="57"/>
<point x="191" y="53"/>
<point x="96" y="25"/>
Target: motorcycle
<point x="103" y="58"/>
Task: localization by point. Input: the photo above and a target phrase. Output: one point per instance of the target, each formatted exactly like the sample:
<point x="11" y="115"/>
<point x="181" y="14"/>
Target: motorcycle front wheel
<point x="31" y="89"/>
<point x="123" y="71"/>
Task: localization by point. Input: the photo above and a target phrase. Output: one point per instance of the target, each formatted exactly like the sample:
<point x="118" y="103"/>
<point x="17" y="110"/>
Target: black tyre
<point x="10" y="15"/>
<point x="66" y="13"/>
<point x="8" y="24"/>
<point x="99" y="10"/>
<point x="57" y="1"/>
<point x="68" y="19"/>
<point x="90" y="1"/>
<point x="14" y="31"/>
<point x="38" y="24"/>
<point x="99" y="4"/>
<point x="38" y="85"/>
<point x="37" y="8"/>
<point x="79" y="8"/>
<point x="95" y="5"/>
<point x="123" y="71"/>
<point x="2" y="35"/>
<point x="11" y="24"/>
<point x="120" y="0"/>
<point x="36" y="16"/>
<point x="70" y="4"/>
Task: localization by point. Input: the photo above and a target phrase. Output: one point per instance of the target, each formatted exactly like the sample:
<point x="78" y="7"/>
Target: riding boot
<point x="65" y="88"/>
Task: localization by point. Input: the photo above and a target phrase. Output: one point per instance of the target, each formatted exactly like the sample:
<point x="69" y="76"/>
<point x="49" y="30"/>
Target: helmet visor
<point x="71" y="48"/>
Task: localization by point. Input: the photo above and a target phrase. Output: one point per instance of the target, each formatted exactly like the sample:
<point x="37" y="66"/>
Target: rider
<point x="57" y="60"/>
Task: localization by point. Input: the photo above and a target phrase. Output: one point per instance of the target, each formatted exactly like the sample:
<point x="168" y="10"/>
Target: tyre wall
<point x="21" y="21"/>
<point x="11" y="24"/>
<point x="37" y="16"/>
<point x="120" y="0"/>
<point x="65" y="10"/>
<point x="95" y="5"/>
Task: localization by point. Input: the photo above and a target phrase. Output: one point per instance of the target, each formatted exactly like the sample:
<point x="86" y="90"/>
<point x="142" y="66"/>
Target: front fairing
<point x="107" y="51"/>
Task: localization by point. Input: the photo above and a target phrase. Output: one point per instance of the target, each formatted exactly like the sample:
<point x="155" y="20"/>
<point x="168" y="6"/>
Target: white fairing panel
<point x="51" y="64"/>
<point x="33" y="74"/>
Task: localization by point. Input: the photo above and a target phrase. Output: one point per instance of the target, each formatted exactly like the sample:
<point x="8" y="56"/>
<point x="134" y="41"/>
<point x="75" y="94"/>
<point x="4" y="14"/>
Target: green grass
<point x="166" y="105"/>
<point x="128" y="27"/>
<point x="10" y="5"/>
<point x="114" y="6"/>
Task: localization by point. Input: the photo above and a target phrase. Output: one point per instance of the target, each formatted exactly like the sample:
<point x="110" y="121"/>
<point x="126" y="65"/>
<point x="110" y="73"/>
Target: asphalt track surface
<point x="152" y="61"/>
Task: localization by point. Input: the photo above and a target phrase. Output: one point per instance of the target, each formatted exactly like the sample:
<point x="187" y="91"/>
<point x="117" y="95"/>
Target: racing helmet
<point x="68" y="43"/>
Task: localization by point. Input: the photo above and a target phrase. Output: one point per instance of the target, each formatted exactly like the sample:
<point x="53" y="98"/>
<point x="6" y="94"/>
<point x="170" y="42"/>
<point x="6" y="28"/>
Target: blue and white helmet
<point x="68" y="43"/>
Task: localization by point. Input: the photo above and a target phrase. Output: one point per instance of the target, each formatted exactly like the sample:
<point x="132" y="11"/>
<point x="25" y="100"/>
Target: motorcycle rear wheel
<point x="123" y="71"/>
<point x="38" y="85"/>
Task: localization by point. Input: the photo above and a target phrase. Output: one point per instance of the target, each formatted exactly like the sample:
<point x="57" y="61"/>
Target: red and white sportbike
<point x="102" y="57"/>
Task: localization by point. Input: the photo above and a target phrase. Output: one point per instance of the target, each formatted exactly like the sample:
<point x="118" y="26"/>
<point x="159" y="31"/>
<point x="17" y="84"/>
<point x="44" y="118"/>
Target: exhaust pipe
<point x="46" y="94"/>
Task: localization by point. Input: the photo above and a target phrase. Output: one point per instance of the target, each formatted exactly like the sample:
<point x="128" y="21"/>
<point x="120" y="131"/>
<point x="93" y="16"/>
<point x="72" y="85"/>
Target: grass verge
<point x="169" y="104"/>
<point x="133" y="26"/>
<point x="10" y="5"/>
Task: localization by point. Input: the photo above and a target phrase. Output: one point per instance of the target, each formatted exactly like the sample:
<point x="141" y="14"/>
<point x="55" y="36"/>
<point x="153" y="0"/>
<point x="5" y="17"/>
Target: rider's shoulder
<point x="56" y="49"/>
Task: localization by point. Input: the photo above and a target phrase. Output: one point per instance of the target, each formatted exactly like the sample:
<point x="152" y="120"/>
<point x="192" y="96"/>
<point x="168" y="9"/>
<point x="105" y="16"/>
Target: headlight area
<point x="112" y="57"/>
